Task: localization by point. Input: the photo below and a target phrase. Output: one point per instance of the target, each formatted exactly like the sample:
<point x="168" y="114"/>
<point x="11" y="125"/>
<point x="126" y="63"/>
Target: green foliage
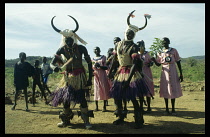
<point x="194" y="73"/>
<point x="9" y="78"/>
<point x="156" y="47"/>
<point x="192" y="61"/>
<point x="156" y="71"/>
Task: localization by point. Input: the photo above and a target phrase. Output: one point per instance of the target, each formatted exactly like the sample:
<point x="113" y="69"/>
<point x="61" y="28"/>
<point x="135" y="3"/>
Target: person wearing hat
<point x="128" y="83"/>
<point x="74" y="86"/>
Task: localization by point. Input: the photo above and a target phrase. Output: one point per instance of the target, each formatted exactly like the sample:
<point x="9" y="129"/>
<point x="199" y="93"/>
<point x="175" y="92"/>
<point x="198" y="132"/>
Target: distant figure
<point x="101" y="83"/>
<point x="37" y="80"/>
<point x="170" y="87"/>
<point x="46" y="71"/>
<point x="22" y="70"/>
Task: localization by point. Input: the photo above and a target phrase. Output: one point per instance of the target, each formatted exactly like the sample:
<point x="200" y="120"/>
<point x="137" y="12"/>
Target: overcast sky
<point x="28" y="28"/>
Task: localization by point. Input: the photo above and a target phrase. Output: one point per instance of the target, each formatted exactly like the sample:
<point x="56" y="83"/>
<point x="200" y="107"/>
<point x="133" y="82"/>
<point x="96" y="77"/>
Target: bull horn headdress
<point x="135" y="27"/>
<point x="69" y="33"/>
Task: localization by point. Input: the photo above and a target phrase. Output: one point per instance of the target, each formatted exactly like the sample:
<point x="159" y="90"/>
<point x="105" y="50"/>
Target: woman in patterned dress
<point x="170" y="87"/>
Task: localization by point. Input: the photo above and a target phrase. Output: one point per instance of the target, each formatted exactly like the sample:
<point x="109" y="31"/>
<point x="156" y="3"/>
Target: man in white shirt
<point x="46" y="70"/>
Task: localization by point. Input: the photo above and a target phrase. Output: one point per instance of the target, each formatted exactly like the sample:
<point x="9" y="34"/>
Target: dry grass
<point x="43" y="119"/>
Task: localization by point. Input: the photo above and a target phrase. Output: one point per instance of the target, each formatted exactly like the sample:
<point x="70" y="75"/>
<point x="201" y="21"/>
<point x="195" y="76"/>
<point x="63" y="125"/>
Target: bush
<point x="192" y="62"/>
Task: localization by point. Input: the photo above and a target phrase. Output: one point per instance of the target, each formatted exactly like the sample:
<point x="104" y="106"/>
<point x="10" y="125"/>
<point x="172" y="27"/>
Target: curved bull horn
<point x="145" y="24"/>
<point x="128" y="19"/>
<point x="77" y="25"/>
<point x="57" y="30"/>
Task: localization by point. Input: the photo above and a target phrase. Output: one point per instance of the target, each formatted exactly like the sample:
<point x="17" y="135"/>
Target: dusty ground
<point x="43" y="119"/>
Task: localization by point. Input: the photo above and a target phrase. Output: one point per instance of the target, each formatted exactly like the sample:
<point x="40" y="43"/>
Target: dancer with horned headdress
<point x="73" y="87"/>
<point x="128" y="83"/>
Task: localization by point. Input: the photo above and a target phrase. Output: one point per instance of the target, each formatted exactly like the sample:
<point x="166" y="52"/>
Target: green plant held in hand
<point x="156" y="47"/>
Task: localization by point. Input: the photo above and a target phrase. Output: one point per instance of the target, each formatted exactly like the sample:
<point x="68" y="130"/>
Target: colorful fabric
<point x="136" y="88"/>
<point x="71" y="88"/>
<point x="169" y="84"/>
<point x="101" y="82"/>
<point x="124" y="58"/>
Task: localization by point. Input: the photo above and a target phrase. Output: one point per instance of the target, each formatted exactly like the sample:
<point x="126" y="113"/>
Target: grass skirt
<point x="136" y="88"/>
<point x="71" y="89"/>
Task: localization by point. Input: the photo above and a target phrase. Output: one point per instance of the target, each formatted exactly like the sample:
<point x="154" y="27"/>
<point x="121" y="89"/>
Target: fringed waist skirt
<point x="71" y="88"/>
<point x="136" y="88"/>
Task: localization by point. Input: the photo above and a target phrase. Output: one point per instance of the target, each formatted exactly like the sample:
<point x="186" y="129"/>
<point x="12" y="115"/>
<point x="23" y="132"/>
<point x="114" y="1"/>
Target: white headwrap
<point x="69" y="33"/>
<point x="133" y="28"/>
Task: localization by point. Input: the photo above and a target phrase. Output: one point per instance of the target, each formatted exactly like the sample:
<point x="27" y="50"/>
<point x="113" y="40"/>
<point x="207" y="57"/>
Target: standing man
<point x="74" y="83"/>
<point x="46" y="71"/>
<point x="128" y="83"/>
<point x="22" y="71"/>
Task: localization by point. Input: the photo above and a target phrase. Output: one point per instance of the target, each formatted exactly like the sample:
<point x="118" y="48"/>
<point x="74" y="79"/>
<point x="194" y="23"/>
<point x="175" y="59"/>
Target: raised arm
<point x="55" y="59"/>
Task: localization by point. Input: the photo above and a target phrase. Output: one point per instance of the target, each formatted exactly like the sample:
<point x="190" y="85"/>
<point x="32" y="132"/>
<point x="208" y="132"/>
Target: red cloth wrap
<point x="114" y="53"/>
<point x="135" y="56"/>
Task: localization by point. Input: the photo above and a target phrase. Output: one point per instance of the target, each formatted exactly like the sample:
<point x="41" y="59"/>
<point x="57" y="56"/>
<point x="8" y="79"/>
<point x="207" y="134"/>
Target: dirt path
<point x="43" y="119"/>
